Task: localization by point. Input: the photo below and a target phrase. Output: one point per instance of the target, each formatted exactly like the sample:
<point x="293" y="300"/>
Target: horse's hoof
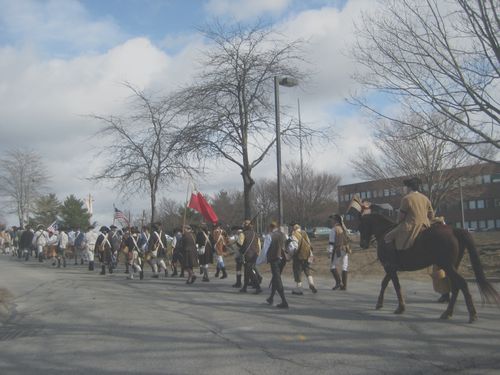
<point x="399" y="310"/>
<point x="445" y="316"/>
<point x="472" y="318"/>
<point x="378" y="306"/>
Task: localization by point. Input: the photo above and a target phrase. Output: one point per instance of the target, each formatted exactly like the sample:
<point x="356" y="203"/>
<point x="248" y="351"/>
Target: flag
<point x="119" y="215"/>
<point x="54" y="227"/>
<point x="194" y="203"/>
<point x="200" y="204"/>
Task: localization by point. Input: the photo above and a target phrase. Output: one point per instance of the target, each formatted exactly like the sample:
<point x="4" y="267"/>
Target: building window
<point x="386" y="192"/>
<point x="368" y="194"/>
<point x="497" y="223"/>
<point x="491" y="224"/>
<point x="497" y="203"/>
<point x="495" y="177"/>
<point x="363" y="194"/>
<point x="472" y="205"/>
<point x="480" y="203"/>
<point x="486" y="179"/>
<point x="482" y="224"/>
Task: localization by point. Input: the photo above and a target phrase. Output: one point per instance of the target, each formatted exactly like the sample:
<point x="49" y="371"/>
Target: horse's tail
<point x="487" y="291"/>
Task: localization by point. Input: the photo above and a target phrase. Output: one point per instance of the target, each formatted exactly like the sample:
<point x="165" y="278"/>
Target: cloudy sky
<point x="61" y="60"/>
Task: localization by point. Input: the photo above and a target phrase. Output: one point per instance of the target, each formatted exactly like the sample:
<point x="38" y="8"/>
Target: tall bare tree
<point x="23" y="177"/>
<point x="231" y="106"/>
<point x="311" y="202"/>
<point x="436" y="56"/>
<point x="408" y="153"/>
<point x="147" y="149"/>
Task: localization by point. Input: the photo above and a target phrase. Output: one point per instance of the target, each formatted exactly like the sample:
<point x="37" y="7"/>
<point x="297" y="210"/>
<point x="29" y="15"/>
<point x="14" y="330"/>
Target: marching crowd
<point x="185" y="251"/>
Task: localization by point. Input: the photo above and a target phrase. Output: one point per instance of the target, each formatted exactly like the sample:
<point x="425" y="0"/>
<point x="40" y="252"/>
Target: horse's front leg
<point x="385" y="282"/>
<point x="399" y="293"/>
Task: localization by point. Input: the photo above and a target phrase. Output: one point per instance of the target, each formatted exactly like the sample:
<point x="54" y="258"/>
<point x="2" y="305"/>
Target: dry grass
<point x="364" y="263"/>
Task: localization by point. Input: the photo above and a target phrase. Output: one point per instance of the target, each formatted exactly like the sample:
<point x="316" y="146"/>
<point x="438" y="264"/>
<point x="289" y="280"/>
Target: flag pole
<point x="185" y="207"/>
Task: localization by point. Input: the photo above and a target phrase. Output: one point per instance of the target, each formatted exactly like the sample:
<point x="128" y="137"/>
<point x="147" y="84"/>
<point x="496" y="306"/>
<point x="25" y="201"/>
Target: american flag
<point x="119" y="215"/>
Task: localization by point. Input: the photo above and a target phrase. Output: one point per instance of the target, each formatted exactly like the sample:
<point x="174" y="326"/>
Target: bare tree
<point x="311" y="203"/>
<point x="23" y="177"/>
<point x="408" y="153"/>
<point x="436" y="56"/>
<point x="147" y="149"/>
<point x="229" y="206"/>
<point x="231" y="106"/>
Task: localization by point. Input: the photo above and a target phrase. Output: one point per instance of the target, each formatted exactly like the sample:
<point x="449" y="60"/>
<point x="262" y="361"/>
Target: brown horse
<point x="441" y="245"/>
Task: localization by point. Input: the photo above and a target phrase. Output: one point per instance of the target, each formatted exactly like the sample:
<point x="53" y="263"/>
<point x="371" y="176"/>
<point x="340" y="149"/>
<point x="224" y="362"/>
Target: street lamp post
<point x="287" y="82"/>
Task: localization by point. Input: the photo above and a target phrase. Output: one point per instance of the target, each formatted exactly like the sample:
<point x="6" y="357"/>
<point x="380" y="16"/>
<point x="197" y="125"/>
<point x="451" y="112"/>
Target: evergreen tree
<point x="47" y="208"/>
<point x="74" y="214"/>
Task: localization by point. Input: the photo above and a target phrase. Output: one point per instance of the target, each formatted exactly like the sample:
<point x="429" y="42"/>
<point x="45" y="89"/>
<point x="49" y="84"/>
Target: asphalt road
<point x="72" y="321"/>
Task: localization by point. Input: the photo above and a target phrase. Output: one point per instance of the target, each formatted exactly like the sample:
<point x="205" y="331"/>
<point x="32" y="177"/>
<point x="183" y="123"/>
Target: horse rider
<point x="415" y="214"/>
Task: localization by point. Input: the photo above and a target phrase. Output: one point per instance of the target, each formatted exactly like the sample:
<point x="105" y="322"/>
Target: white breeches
<point x="341" y="261"/>
<point x="88" y="254"/>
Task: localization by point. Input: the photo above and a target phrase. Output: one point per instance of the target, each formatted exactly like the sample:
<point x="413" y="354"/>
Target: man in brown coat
<point x="415" y="214"/>
<point x="250" y="248"/>
<point x="301" y="259"/>
<point x="275" y="253"/>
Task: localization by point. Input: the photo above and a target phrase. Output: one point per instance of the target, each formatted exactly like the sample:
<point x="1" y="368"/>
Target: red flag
<point x="194" y="203"/>
<point x="206" y="210"/>
<point x="200" y="204"/>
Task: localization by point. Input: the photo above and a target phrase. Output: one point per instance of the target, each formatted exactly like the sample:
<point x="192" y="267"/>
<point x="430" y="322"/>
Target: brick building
<point x="480" y="194"/>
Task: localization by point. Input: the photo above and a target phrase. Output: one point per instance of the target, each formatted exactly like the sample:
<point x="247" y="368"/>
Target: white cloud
<point x="63" y="24"/>
<point x="245" y="9"/>
<point x="42" y="99"/>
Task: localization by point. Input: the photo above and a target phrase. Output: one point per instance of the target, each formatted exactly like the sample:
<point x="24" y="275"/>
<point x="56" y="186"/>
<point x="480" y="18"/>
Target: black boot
<point x="81" y="261"/>
<point x="174" y="273"/>
<point x="201" y="270"/>
<point x="126" y="268"/>
<point x="58" y="263"/>
<point x="110" y="269"/>
<point x="338" y="283"/>
<point x="238" y="282"/>
<point x="344" y="280"/>
<point x="91" y="265"/>
<point x="224" y="273"/>
<point x="103" y="270"/>
<point x="40" y="257"/>
<point x="141" y="275"/>
<point x="64" y="262"/>
<point x="217" y="272"/>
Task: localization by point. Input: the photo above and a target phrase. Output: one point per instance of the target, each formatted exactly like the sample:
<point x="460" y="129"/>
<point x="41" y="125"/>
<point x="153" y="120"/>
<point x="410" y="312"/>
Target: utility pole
<point x="302" y="208"/>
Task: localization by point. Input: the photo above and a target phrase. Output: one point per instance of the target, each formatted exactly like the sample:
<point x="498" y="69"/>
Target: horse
<point x="440" y="245"/>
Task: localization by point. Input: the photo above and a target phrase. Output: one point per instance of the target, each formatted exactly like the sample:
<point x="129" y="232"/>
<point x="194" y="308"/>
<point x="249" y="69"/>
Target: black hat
<point x="104" y="229"/>
<point x="112" y="227"/>
<point x="413" y="183"/>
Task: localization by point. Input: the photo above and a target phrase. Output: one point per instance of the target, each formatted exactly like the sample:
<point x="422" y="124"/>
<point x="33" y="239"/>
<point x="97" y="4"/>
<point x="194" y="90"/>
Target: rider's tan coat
<point x="416" y="212"/>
